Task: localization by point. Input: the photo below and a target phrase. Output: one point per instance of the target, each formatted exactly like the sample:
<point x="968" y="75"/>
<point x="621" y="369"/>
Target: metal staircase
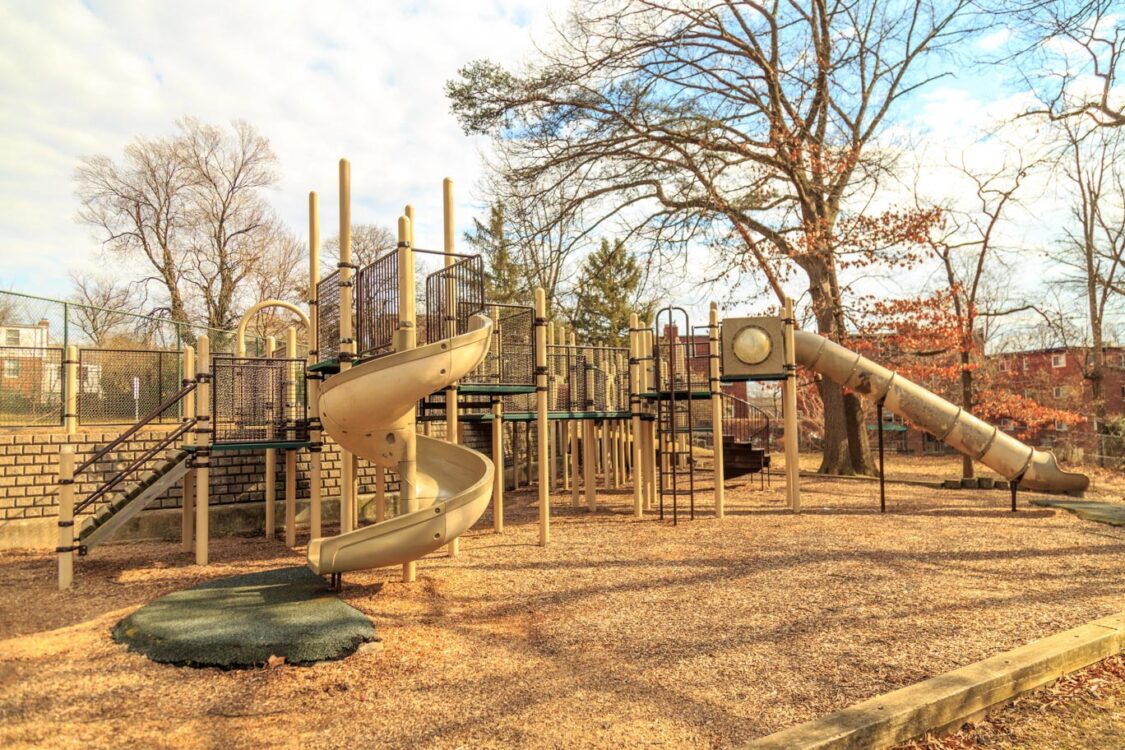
<point x="746" y="438"/>
<point x="126" y="491"/>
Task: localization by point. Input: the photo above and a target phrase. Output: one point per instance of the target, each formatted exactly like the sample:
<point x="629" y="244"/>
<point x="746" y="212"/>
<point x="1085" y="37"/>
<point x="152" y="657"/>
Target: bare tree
<point x="233" y="224"/>
<point x="1094" y="248"/>
<point x="742" y="122"/>
<point x="1075" y="53"/>
<point x="141" y="208"/>
<point x="369" y="241"/>
<point x="282" y="274"/>
<point x="969" y="247"/>
<point x="106" y="306"/>
<point x="191" y="206"/>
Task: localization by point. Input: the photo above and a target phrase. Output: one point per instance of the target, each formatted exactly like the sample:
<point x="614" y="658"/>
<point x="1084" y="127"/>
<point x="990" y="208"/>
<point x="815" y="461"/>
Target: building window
<point x="1060" y="426"/>
<point x="1024" y="364"/>
<point x="1006" y="423"/>
<point x="11" y="368"/>
<point x="1005" y="365"/>
<point x="1058" y="391"/>
<point x="1058" y="360"/>
<point x="12" y="337"/>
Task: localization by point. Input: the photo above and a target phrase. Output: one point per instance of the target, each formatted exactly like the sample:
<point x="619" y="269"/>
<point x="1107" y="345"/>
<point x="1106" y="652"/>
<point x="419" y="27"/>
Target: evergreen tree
<point x="505" y="279"/>
<point x="608" y="291"/>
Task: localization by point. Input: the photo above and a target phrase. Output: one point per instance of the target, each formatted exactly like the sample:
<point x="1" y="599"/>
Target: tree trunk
<point x="967" y="469"/>
<point x="845" y="449"/>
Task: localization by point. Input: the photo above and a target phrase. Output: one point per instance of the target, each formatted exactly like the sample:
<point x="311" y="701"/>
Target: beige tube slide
<point x="368" y="410"/>
<point x="1036" y="470"/>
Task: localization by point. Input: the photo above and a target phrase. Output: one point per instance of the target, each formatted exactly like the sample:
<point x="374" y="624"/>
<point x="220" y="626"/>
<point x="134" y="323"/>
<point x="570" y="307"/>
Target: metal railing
<point x="120" y="476"/>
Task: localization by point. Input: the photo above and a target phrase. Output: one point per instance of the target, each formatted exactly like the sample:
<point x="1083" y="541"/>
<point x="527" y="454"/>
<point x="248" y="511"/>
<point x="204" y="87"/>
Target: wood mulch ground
<point x="621" y="633"/>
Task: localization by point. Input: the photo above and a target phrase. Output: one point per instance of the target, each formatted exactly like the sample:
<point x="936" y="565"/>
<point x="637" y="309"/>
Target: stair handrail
<point x="145" y="458"/>
<point x="189" y="386"/>
<point x="761" y="413"/>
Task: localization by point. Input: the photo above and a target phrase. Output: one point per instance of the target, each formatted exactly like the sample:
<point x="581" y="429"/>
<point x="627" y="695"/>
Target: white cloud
<point x="321" y="81"/>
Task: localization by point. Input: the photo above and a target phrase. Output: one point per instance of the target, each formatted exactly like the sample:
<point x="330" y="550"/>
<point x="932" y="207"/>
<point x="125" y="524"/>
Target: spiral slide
<point x="369" y="411"/>
<point x="1035" y="469"/>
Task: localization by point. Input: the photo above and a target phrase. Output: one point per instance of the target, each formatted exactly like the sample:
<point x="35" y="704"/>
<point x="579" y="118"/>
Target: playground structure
<point x="380" y="377"/>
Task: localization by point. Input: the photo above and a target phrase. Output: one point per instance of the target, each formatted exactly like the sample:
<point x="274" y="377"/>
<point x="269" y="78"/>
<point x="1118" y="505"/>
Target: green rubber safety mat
<point x="244" y="620"/>
<point x="1089" y="510"/>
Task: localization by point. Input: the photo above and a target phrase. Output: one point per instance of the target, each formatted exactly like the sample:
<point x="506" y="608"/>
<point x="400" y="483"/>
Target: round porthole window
<point x="752" y="345"/>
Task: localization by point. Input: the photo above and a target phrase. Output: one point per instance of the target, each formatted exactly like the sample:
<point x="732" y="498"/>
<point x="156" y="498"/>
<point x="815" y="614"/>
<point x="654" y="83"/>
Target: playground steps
<point x="108" y="518"/>
<point x="740" y="458"/>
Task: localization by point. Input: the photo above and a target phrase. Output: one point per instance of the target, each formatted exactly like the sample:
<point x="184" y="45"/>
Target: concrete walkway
<point x="1111" y="513"/>
<point x="244" y="620"/>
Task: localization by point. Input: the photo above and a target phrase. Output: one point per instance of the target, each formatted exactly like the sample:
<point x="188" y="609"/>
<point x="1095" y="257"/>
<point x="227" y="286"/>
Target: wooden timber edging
<point x="954" y="697"/>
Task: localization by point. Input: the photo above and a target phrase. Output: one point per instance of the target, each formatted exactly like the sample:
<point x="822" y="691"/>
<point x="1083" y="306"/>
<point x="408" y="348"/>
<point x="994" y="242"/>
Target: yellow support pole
<point x="635" y="412"/>
<point x="451" y="415"/>
<point x="552" y="469"/>
<point x="407" y="339"/>
<point x="792" y="449"/>
<point x="66" y="517"/>
<point x="716" y="410"/>
<point x="380" y="495"/>
<point x="187" y="504"/>
<point x="291" y="454"/>
<point x="347" y="338"/>
<point x="312" y="386"/>
<point x="203" y="449"/>
<point x="498" y="465"/>
<point x="271" y="467"/>
<point x="542" y="424"/>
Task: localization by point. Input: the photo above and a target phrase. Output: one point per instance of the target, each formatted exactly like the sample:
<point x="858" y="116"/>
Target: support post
<point x="542" y="424"/>
<point x="65" y="549"/>
<point x="70" y="368"/>
<point x="882" y="464"/>
<point x="271" y="466"/>
<point x="291" y="454"/>
<point x="407" y="339"/>
<point x="552" y="388"/>
<point x="1014" y="484"/>
<point x="716" y="410"/>
<point x="202" y="450"/>
<point x="792" y="453"/>
<point x="635" y="412"/>
<point x="498" y="465"/>
<point x="312" y="385"/>
<point x="451" y="415"/>
<point x="187" y="504"/>
<point x="347" y="337"/>
<point x="380" y="494"/>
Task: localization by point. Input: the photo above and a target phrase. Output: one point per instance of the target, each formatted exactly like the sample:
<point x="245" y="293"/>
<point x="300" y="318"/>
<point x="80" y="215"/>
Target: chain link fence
<point x="128" y="363"/>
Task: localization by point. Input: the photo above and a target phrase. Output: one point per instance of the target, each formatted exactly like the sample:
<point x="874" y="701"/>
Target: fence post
<point x="65" y="549"/>
<point x="203" y="449"/>
<point x="70" y="390"/>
